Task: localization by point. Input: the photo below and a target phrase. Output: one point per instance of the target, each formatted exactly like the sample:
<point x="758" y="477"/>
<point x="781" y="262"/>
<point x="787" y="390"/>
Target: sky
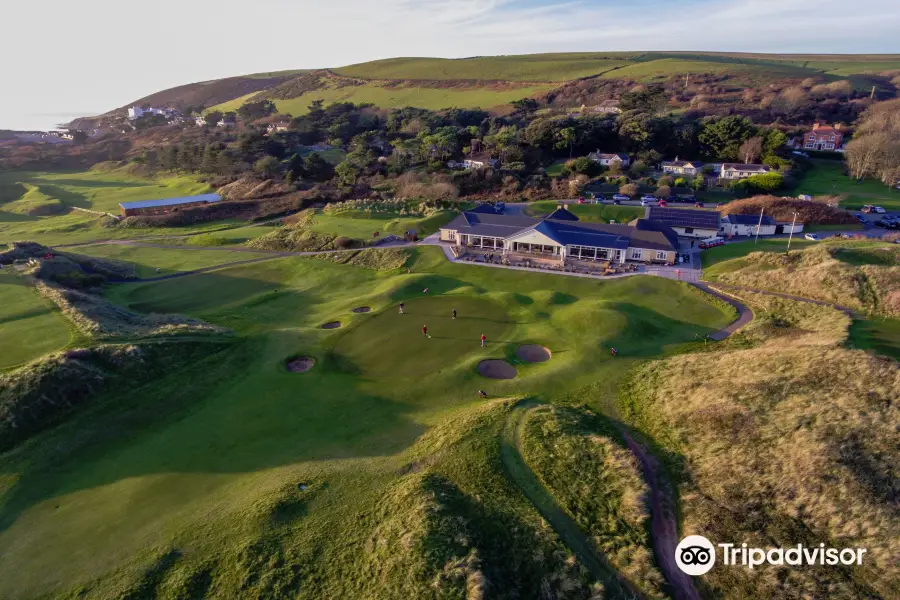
<point x="60" y="59"/>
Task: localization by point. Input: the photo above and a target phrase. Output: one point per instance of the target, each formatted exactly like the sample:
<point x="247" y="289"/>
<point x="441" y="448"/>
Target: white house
<point x="200" y="121"/>
<point x="480" y="162"/>
<point x="740" y="171"/>
<point x="135" y="112"/>
<point x="618" y="160"/>
<point x="682" y="167"/>
<point x="737" y="225"/>
<point x="276" y="127"/>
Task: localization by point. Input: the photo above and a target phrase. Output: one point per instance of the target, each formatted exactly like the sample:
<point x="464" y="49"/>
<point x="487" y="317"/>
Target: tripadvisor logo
<point x="696" y="555"/>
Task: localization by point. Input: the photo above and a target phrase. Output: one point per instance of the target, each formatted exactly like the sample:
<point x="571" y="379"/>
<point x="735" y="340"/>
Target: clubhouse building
<point x="560" y="239"/>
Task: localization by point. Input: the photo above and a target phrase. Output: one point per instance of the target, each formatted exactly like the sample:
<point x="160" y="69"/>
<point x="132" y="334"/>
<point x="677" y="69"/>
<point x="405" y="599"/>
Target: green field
<point x="198" y="471"/>
<point x="362" y="225"/>
<point x="29" y="327"/>
<point x="408" y="95"/>
<point x="155" y="262"/>
<point x="592" y="213"/>
<point x="828" y="178"/>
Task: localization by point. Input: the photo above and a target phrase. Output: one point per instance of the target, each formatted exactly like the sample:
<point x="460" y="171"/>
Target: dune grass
<point x="228" y="473"/>
<point x="362" y="225"/>
<point x="29" y="326"/>
<point x="781" y="436"/>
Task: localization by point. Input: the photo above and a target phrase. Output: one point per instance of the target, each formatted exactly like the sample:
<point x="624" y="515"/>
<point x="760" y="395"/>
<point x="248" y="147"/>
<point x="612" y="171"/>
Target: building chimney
<point x="816" y="125"/>
<point x="837" y="126"/>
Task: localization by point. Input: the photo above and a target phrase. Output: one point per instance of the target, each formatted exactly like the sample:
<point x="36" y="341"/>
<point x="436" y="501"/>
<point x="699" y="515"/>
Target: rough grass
<point x="866" y="278"/>
<point x="376" y="259"/>
<point x="782" y="436"/>
<point x="292" y="238"/>
<point x="597" y="480"/>
<point x="41" y="393"/>
<point x="100" y="319"/>
<point x="828" y="178"/>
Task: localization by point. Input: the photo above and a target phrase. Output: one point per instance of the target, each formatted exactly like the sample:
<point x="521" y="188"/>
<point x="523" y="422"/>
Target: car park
<point x="861" y="219"/>
<point x="812" y="237"/>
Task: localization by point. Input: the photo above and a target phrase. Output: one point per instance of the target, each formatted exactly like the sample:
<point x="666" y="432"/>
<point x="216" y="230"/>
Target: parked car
<point x="711" y="242"/>
<point x="621" y="197"/>
<point x="868" y="208"/>
<point x="798" y="153"/>
<point x="812" y="237"/>
<point x="662" y="202"/>
<point x="645" y="202"/>
<point x="878" y="209"/>
<point x="805" y="197"/>
<point x="861" y="219"/>
<point x="617" y="202"/>
<point x="698" y="204"/>
<point x="648" y="197"/>
<point x="500" y="207"/>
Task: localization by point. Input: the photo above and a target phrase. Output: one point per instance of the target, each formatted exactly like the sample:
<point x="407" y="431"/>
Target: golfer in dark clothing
<point x="483" y="341"/>
<point x="401" y="308"/>
<point x="425" y="330"/>
<point x="454" y="314"/>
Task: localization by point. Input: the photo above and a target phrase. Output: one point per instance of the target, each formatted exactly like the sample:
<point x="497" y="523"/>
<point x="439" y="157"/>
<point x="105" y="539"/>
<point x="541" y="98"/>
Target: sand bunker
<point x="497" y="369"/>
<point x="331" y="325"/>
<point x="300" y="364"/>
<point x="533" y="353"/>
<point x="362" y="309"/>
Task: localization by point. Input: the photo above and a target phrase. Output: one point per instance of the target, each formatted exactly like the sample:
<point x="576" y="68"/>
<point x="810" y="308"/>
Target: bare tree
<point x="863" y="154"/>
<point x="751" y="149"/>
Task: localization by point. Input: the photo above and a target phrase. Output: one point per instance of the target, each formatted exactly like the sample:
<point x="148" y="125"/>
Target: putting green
<point x="392" y="345"/>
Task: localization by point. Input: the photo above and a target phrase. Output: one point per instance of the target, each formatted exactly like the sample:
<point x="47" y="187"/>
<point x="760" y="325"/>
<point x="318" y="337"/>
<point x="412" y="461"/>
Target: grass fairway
<point x="592" y="213"/>
<point x="166" y="260"/>
<point x="362" y="225"/>
<point x="828" y="178"/>
<point x="214" y="471"/>
<point x="29" y="328"/>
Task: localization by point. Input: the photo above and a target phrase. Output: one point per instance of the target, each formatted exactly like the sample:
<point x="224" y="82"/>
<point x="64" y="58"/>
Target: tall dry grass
<point x="794" y="439"/>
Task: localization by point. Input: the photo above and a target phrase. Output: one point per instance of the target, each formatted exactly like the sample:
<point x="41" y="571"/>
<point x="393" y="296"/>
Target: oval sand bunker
<point x="533" y="353"/>
<point x="331" y="325"/>
<point x="497" y="369"/>
<point x="300" y="364"/>
<point x="362" y="309"/>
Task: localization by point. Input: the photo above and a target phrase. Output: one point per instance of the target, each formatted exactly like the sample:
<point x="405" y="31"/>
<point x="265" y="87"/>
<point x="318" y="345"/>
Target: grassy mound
<point x="376" y="259"/>
<point x="590" y="473"/>
<point x="41" y="393"/>
<point x="72" y="270"/>
<point x="295" y="238"/>
<point x="100" y="319"/>
<point x="35" y="203"/>
<point x="782" y="437"/>
<point x="782" y="209"/>
<point x="861" y="278"/>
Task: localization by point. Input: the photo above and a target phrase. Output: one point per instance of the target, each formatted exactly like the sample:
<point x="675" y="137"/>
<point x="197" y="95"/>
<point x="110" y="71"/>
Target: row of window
<point x="579" y="252"/>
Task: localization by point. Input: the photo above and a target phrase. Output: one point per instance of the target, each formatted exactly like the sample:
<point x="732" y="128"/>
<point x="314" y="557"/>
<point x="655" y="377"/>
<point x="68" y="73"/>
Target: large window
<point x="636" y="254"/>
<point x="535" y="249"/>
<point x="477" y="241"/>
<point x="661" y="255"/>
<point x="588" y="253"/>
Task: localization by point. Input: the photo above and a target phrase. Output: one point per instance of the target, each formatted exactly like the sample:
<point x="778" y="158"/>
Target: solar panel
<point x="679" y="217"/>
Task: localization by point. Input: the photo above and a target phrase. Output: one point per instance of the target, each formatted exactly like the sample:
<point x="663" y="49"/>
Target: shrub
<point x="663" y="191"/>
<point x="768" y="182"/>
<point x="629" y="189"/>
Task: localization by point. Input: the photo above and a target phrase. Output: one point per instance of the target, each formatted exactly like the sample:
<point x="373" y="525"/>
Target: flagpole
<point x="758" y="225"/>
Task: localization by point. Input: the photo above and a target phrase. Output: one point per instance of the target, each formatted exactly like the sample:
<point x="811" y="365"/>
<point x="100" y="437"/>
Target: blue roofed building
<point x="561" y="238"/>
<point x="165" y="205"/>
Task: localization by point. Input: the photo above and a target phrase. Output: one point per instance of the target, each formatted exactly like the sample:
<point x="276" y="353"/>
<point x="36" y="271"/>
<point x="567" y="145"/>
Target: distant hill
<point x="491" y="81"/>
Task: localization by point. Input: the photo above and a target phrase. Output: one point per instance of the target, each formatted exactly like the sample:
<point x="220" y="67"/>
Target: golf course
<point x="191" y="475"/>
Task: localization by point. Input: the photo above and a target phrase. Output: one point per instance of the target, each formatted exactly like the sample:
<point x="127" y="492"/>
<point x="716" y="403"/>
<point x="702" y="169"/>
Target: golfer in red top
<point x="483" y="341"/>
<point x="425" y="330"/>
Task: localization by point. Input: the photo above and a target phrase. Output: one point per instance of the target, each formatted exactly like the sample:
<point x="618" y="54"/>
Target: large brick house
<point x="824" y="137"/>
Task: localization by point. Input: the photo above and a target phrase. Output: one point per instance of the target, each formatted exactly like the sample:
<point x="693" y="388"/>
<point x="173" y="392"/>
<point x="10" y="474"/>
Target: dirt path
<point x="739" y="288"/>
<point x="565" y="527"/>
<point x="745" y="315"/>
<point x="664" y="523"/>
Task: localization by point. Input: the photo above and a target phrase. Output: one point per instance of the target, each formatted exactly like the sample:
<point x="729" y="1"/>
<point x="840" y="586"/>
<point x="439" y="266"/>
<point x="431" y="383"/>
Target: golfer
<point x="614" y="352"/>
<point x="425" y="291"/>
<point x="401" y="308"/>
<point x="425" y="330"/>
<point x="454" y="314"/>
<point x="483" y="341"/>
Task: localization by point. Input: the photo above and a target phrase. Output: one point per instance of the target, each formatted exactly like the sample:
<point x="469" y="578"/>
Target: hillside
<point x="491" y="81"/>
